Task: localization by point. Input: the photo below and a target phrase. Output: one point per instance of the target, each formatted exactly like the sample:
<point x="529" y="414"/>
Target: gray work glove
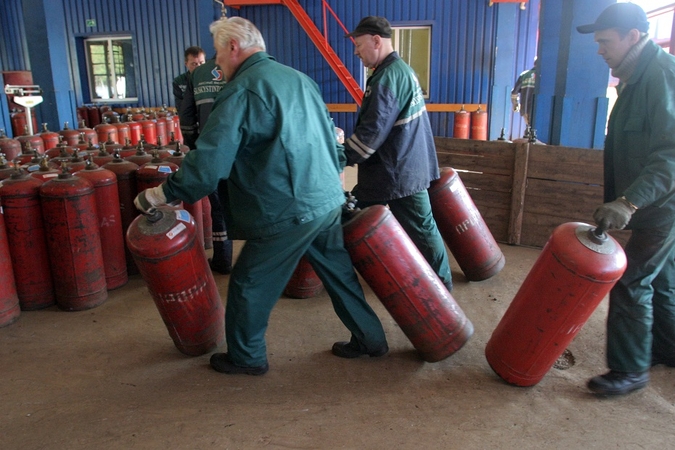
<point x="614" y="215"/>
<point x="149" y="199"/>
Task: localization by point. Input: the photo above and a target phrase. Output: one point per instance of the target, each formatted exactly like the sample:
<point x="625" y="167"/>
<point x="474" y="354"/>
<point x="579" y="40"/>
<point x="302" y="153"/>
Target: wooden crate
<point x="524" y="191"/>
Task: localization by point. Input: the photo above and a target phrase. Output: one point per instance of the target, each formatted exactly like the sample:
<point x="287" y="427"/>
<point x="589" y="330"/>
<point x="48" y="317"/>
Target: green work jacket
<point x="640" y="145"/>
<point x="270" y="136"/>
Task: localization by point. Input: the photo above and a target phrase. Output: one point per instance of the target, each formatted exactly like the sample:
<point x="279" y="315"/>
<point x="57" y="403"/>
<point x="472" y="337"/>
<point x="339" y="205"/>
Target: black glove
<point x="614" y="215"/>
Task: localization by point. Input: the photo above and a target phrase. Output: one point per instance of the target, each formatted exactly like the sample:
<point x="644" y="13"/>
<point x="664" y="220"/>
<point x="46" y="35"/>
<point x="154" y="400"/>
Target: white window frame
<point x="114" y="87"/>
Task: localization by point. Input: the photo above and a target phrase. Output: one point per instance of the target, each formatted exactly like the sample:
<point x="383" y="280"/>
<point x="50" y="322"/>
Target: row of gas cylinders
<point x="93" y="115"/>
<point x="470" y="125"/>
<point x="154" y="130"/>
<point x="60" y="223"/>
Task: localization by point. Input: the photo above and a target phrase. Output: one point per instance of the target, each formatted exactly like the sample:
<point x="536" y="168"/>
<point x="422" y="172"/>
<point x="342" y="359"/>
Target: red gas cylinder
<point x="123" y="130"/>
<point x="6" y="168"/>
<point x="110" y="223"/>
<point x="76" y="161"/>
<point x="149" y="130"/>
<point x="94" y="115"/>
<point x="27" y="241"/>
<point x="196" y="209"/>
<point x="135" y="131"/>
<point x="140" y="157"/>
<point x="73" y="242"/>
<point x="163" y="128"/>
<point x="208" y="222"/>
<point x="177" y="130"/>
<point x="175" y="268"/>
<point x="153" y="173"/>
<point x="460" y="129"/>
<point x="46" y="171"/>
<point x="126" y="189"/>
<point x="177" y="145"/>
<point x="574" y="272"/>
<point x="9" y="301"/>
<point x="127" y="150"/>
<point x="34" y="140"/>
<point x="463" y="228"/>
<point x="10" y="147"/>
<point x="102" y="156"/>
<point x="90" y="135"/>
<point x="479" y="121"/>
<point x="106" y="133"/>
<point x="19" y="122"/>
<point x="82" y="117"/>
<point x="407" y="286"/>
<point x="304" y="282"/>
<point x="49" y="138"/>
<point x="72" y="137"/>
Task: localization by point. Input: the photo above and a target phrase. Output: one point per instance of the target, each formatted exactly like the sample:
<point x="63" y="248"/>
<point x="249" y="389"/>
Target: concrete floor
<point x="111" y="378"/>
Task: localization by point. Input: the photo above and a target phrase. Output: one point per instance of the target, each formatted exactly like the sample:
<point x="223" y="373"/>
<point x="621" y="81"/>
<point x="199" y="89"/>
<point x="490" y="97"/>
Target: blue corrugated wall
<point x="463" y="43"/>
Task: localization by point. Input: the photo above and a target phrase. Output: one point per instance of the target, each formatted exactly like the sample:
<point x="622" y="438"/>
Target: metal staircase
<point x="319" y="40"/>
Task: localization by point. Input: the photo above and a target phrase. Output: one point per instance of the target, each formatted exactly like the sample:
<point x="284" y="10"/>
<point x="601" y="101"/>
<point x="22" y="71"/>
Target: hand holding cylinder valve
<point x="146" y="201"/>
<point x="614" y="215"/>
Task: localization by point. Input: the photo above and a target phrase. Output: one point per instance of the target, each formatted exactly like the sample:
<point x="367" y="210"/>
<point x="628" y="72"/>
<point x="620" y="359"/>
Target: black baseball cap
<point x="374" y="25"/>
<point x="625" y="16"/>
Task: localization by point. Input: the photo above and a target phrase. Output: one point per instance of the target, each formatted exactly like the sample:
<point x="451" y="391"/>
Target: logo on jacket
<point x="217" y="74"/>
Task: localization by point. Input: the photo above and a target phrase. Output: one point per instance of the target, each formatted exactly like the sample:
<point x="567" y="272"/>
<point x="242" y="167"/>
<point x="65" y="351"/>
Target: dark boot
<point x="618" y="383"/>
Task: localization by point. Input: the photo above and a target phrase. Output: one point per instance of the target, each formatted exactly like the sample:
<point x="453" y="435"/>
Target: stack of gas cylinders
<point x="470" y="125"/>
<point x="67" y="202"/>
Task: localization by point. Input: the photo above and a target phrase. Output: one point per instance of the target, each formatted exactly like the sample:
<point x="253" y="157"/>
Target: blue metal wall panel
<point x="13" y="51"/>
<point x="161" y="31"/>
<point x="462" y="58"/>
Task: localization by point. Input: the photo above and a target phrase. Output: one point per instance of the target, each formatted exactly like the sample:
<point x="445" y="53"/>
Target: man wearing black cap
<point x="393" y="143"/>
<point x="640" y="195"/>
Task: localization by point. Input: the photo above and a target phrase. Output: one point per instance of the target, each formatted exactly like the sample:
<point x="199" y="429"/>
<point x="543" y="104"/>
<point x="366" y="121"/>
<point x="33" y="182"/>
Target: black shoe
<point x="220" y="267"/>
<point x="221" y="363"/>
<point x="656" y="360"/>
<point x="618" y="383"/>
<point x="354" y="350"/>
<point x="448" y="286"/>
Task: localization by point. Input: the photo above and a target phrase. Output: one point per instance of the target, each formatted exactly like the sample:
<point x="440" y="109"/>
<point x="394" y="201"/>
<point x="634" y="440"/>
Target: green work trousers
<point x="641" y="319"/>
<point x="265" y="266"/>
<point x="414" y="214"/>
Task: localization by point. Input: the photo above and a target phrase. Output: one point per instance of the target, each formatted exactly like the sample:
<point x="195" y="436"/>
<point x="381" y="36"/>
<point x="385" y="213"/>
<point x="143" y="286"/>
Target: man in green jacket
<point x="640" y="195"/>
<point x="270" y="136"/>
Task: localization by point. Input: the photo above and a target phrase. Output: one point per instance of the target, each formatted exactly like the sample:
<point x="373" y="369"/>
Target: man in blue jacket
<point x="640" y="195"/>
<point x="271" y="137"/>
<point x="393" y="143"/>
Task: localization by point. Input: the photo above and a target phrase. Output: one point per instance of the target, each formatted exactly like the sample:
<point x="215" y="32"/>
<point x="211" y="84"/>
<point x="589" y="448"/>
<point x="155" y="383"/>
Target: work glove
<point x="614" y="215"/>
<point x="149" y="199"/>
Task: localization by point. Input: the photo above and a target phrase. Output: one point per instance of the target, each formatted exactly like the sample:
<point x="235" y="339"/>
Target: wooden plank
<point x="341" y="107"/>
<point x="558" y="198"/>
<point x="454" y="107"/>
<point x="481" y="181"/>
<point x="519" y="185"/>
<point x="566" y="164"/>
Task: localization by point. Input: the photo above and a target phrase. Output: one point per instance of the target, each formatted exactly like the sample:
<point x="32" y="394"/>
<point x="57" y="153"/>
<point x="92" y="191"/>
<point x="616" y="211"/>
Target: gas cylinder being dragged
<point x="73" y="242"/>
<point x="304" y="282"/>
<point x="174" y="266"/>
<point x="407" y="286"/>
<point x="576" y="269"/>
<point x="463" y="229"/>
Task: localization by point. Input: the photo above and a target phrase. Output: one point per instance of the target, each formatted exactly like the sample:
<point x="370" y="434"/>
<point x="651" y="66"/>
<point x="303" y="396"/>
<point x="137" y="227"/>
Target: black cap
<point x="625" y="16"/>
<point x="374" y="25"/>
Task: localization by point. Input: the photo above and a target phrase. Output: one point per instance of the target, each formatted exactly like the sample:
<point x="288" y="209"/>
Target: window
<point x="110" y="69"/>
<point x="413" y="44"/>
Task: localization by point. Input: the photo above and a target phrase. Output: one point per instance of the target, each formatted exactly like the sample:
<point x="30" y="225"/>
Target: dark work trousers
<point x="641" y="316"/>
<point x="414" y="214"/>
<point x="222" y="246"/>
<point x="262" y="271"/>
